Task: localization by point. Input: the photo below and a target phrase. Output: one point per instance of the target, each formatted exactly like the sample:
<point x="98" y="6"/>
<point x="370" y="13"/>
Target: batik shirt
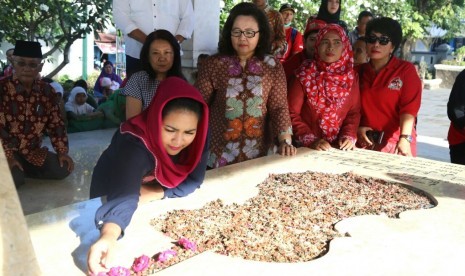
<point x="278" y="35"/>
<point x="25" y="116"/>
<point x="244" y="104"/>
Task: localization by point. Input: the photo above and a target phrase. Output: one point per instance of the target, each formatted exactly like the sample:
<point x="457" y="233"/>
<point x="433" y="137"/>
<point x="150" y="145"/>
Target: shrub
<point x="91" y="79"/>
<point x="453" y="62"/>
<point x="460" y="53"/>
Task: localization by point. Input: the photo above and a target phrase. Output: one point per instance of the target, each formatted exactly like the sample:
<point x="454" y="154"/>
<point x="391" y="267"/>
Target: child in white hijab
<point x="77" y="102"/>
<point x="81" y="115"/>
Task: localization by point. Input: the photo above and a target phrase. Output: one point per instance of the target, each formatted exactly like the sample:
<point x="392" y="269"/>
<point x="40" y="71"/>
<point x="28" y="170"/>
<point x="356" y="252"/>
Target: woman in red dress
<point x="324" y="101"/>
<point x="390" y="92"/>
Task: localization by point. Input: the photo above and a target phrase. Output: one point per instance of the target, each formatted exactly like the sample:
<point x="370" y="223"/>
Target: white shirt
<point x="176" y="16"/>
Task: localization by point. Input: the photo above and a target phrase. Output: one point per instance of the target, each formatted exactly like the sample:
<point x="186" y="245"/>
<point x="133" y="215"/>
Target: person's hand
<point x="101" y="253"/>
<point x="12" y="162"/>
<point x="403" y="148"/>
<point x="346" y="144"/>
<point x="362" y="136"/>
<point x="180" y="38"/>
<point x="321" y="144"/>
<point x="150" y="192"/>
<point x="62" y="158"/>
<point x="286" y="149"/>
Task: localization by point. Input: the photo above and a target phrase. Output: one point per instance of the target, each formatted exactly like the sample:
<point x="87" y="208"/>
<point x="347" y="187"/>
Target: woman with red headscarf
<point x="165" y="145"/>
<point x="324" y="98"/>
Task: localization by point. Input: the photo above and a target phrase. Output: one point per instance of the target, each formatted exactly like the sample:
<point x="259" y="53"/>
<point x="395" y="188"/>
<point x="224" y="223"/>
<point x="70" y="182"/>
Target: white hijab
<point x="72" y="106"/>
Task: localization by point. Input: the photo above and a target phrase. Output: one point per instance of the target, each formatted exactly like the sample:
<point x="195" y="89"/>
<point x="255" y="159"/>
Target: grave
<point x="16" y="252"/>
<point x="428" y="241"/>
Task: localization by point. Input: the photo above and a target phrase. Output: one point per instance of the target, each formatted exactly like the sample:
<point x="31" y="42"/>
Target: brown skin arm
<point x="138" y="35"/>
<point x="101" y="253"/>
<point x="406" y="126"/>
<point x="285" y="149"/>
<point x="62" y="158"/>
<point x="133" y="107"/>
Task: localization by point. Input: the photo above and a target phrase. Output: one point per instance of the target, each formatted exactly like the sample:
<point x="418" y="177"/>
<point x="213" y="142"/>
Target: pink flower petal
<point x="119" y="271"/>
<point x="140" y="264"/>
<point x="166" y="255"/>
<point x="187" y="244"/>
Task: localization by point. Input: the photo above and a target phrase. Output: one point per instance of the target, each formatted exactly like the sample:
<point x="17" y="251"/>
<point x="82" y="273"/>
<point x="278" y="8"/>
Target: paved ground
<point x="433" y="125"/>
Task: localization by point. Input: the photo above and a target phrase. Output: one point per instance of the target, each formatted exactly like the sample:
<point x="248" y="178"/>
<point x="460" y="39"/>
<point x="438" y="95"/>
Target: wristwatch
<point x="286" y="141"/>
<point x="407" y="137"/>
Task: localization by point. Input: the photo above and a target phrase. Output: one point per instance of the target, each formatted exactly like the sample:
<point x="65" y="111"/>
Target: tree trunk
<point x="406" y="49"/>
<point x="64" y="62"/>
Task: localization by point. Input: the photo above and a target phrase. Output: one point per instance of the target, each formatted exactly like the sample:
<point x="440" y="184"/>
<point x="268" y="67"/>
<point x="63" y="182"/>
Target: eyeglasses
<point x="248" y="34"/>
<point x="30" y="64"/>
<point x="383" y="40"/>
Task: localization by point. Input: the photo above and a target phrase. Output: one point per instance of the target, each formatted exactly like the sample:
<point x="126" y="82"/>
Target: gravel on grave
<point x="291" y="219"/>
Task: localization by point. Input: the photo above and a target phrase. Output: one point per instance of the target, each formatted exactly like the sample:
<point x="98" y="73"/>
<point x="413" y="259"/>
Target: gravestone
<point x="17" y="255"/>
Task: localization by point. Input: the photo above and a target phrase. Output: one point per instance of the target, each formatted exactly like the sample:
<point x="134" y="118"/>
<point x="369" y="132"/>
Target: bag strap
<point x="293" y="35"/>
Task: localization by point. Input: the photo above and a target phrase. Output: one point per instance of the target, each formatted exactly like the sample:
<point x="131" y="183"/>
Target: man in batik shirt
<point x="278" y="35"/>
<point x="28" y="109"/>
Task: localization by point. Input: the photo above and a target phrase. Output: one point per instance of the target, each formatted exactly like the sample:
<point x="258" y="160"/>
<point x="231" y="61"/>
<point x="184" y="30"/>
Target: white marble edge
<point x="233" y="184"/>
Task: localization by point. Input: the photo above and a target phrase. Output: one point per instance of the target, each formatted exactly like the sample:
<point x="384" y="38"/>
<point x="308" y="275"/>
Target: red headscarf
<point x="328" y="85"/>
<point x="147" y="127"/>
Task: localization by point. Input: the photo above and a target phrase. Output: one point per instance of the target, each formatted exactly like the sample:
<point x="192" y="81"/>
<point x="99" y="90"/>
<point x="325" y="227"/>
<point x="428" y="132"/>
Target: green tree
<point x="415" y="16"/>
<point x="303" y="8"/>
<point x="58" y="23"/>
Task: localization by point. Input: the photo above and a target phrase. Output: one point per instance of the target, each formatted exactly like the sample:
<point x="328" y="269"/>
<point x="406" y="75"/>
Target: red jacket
<point x="292" y="64"/>
<point x="293" y="47"/>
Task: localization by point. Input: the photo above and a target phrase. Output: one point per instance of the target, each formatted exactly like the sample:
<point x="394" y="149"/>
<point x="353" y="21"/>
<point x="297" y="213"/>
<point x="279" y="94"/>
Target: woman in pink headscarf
<point x="324" y="98"/>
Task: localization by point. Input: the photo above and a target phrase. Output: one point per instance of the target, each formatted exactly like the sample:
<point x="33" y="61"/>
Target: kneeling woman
<point x="166" y="143"/>
<point x="324" y="98"/>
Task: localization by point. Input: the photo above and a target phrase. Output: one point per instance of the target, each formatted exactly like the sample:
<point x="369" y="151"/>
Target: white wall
<point x="74" y="68"/>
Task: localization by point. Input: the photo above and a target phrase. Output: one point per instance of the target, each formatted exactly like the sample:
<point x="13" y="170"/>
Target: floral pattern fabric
<point x="248" y="107"/>
<point x="278" y="35"/>
<point x="25" y="116"/>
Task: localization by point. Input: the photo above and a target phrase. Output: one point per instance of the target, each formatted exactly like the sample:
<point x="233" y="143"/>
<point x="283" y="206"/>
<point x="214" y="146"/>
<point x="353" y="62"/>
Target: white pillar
<point x="206" y="32"/>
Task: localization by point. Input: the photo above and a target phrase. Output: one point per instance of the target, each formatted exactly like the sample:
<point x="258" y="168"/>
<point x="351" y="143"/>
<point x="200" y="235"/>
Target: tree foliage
<point x="417" y="17"/>
<point x="57" y="23"/>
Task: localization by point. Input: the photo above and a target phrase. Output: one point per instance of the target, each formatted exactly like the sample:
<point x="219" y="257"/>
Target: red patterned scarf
<point x="328" y="84"/>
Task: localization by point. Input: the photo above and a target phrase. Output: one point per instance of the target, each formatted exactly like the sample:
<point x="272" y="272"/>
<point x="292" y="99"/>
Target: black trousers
<point x="49" y="170"/>
<point x="457" y="154"/>
<point x="133" y="65"/>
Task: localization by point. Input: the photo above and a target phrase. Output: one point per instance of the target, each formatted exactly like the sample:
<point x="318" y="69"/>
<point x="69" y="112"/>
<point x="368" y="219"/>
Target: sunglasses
<point x="383" y="40"/>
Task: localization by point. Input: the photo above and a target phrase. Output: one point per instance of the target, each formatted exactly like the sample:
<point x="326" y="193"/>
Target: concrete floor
<point x="85" y="149"/>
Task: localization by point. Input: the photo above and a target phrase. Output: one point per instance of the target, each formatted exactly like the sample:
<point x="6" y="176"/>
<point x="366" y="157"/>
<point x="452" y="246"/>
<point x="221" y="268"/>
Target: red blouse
<point x="395" y="90"/>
